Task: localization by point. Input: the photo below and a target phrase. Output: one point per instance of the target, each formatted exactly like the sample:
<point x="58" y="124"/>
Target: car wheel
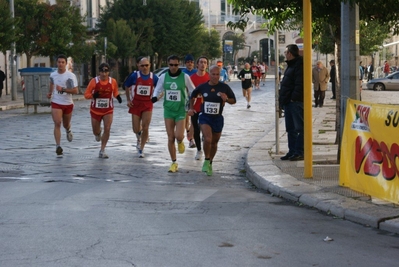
<point x="379" y="87"/>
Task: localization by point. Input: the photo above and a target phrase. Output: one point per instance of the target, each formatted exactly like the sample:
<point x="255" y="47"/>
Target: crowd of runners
<point x="193" y="102"/>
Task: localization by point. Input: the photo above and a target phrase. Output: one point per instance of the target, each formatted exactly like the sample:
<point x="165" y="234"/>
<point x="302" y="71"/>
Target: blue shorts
<point x="216" y="122"/>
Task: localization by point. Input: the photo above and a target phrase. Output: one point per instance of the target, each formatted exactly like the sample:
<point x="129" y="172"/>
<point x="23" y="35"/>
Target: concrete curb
<point x="264" y="174"/>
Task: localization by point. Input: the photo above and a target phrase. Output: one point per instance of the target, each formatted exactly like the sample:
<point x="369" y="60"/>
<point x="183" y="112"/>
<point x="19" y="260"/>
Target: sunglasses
<point x="173" y="65"/>
<point x="144" y="65"/>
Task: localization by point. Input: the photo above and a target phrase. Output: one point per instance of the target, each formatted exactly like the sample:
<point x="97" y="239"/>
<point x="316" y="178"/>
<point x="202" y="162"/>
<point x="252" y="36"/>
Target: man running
<point x="63" y="84"/>
<point x="246" y="83"/>
<point x="215" y="94"/>
<point x="101" y="91"/>
<point x="255" y="74"/>
<point x="138" y="95"/>
<point x="175" y="83"/>
<point x="198" y="78"/>
<point x="189" y="70"/>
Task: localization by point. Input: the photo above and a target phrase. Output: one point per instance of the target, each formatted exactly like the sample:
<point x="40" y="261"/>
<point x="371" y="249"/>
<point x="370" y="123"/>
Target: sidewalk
<point x="285" y="179"/>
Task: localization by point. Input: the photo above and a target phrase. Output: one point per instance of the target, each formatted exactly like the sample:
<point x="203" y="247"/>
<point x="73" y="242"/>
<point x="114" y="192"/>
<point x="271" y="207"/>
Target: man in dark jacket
<point x="2" y="78"/>
<point x="291" y="100"/>
<point x="333" y="78"/>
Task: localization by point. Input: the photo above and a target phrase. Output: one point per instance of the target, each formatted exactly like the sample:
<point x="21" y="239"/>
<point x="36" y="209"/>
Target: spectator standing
<point x="386" y="68"/>
<point x="333" y="78"/>
<point x="291" y="100"/>
<point x="370" y="71"/>
<point x="2" y="78"/>
<point x="320" y="78"/>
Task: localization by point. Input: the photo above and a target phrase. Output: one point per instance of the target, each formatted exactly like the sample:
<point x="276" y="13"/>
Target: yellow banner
<point x="370" y="151"/>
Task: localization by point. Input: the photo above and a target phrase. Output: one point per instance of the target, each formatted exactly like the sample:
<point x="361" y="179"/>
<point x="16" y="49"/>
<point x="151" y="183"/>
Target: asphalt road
<point x="80" y="210"/>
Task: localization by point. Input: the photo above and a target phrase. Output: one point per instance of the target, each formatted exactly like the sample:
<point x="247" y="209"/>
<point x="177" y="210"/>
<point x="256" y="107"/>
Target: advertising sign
<point x="370" y="150"/>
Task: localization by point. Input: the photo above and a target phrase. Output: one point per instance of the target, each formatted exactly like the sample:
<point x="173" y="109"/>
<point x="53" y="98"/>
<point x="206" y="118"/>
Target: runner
<point x="138" y="95"/>
<point x="223" y="72"/>
<point x="175" y="83"/>
<point x="246" y="83"/>
<point x="215" y="94"/>
<point x="263" y="70"/>
<point x="255" y="75"/>
<point x="101" y="91"/>
<point x="189" y="70"/>
<point x="198" y="78"/>
<point x="63" y="84"/>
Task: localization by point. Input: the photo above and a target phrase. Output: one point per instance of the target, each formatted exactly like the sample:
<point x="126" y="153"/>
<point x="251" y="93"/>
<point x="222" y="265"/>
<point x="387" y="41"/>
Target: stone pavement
<point x="285" y="179"/>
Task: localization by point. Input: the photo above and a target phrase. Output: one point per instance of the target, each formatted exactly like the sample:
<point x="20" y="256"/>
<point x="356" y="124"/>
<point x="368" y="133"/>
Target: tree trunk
<point x="338" y="96"/>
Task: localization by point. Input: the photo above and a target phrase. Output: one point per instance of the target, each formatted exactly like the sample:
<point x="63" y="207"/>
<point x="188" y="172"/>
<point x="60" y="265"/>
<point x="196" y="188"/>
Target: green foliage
<point x="6" y="27"/>
<point x="372" y="36"/>
<point x="210" y="44"/>
<point x="48" y="30"/>
<point x="160" y="27"/>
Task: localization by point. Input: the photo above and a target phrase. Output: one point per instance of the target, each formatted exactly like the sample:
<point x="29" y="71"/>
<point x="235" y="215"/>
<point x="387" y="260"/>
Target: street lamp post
<point x="12" y="64"/>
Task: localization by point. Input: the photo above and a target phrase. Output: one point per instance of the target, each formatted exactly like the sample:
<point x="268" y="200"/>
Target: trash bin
<point x="36" y="85"/>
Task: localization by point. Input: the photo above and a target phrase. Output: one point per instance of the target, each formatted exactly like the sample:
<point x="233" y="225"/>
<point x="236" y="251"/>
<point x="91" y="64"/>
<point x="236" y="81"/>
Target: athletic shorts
<point x="175" y="115"/>
<point x="99" y="117"/>
<point x="216" y="122"/>
<point x="141" y="107"/>
<point x="66" y="109"/>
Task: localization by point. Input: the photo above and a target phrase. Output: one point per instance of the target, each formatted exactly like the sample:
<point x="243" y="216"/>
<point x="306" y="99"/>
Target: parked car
<point x="391" y="82"/>
<point x="161" y="71"/>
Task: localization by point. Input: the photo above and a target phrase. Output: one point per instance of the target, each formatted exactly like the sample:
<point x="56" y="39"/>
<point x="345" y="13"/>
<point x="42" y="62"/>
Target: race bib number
<point x="211" y="108"/>
<point x="248" y="76"/>
<point x="173" y="95"/>
<point x="102" y="103"/>
<point x="144" y="90"/>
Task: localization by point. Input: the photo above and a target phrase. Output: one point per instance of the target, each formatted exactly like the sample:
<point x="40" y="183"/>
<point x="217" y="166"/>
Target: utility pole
<point x="350" y="87"/>
<point x="12" y="64"/>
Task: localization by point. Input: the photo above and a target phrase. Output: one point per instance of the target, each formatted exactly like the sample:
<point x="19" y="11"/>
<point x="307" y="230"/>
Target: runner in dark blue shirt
<point x="214" y="96"/>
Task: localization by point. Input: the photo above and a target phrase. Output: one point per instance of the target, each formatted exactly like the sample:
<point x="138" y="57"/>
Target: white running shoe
<point x="141" y="154"/>
<point x="98" y="137"/>
<point x="102" y="155"/>
<point x="69" y="135"/>
<point x="198" y="156"/>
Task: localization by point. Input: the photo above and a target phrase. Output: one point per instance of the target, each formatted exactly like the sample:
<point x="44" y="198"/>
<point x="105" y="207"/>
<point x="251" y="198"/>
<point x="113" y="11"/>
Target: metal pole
<point x="307" y="86"/>
<point x="277" y="87"/>
<point x="12" y="65"/>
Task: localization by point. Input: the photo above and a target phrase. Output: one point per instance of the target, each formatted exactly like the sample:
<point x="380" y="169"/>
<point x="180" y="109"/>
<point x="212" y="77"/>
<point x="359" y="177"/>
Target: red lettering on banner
<point x="377" y="158"/>
<point x="364" y="112"/>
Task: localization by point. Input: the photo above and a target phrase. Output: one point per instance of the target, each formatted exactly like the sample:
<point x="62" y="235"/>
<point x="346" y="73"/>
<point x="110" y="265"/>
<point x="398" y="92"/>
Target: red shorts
<point x="98" y="117"/>
<point x="66" y="109"/>
<point x="140" y="107"/>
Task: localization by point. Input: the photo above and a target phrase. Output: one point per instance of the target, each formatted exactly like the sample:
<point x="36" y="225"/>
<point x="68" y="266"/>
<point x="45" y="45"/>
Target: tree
<point x="238" y="44"/>
<point x="161" y="27"/>
<point x="210" y="45"/>
<point x="48" y="30"/>
<point x="288" y="14"/>
<point x="6" y="27"/>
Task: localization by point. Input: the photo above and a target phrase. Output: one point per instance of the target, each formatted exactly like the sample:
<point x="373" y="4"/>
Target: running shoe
<point x="69" y="135"/>
<point x="174" y="167"/>
<point x="205" y="166"/>
<point x="180" y="147"/>
<point x="248" y="106"/>
<point x="98" y="137"/>
<point x="209" y="171"/>
<point x="102" y="155"/>
<point x="198" y="156"/>
<point x="141" y="154"/>
<point x="58" y="151"/>
<point x="192" y="143"/>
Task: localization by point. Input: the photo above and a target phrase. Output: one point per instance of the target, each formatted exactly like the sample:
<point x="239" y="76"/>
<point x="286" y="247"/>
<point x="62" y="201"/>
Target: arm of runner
<point x="90" y="89"/>
<point x="158" y="88"/>
<point x="189" y="84"/>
